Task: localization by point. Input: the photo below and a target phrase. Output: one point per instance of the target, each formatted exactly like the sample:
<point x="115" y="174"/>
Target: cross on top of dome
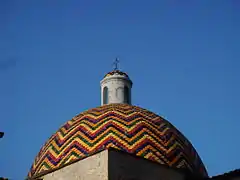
<point x="116" y="64"/>
<point x="116" y="70"/>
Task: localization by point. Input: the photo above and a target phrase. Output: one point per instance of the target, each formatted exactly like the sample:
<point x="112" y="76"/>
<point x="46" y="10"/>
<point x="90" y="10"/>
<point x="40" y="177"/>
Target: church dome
<point x="123" y="127"/>
<point x="116" y="72"/>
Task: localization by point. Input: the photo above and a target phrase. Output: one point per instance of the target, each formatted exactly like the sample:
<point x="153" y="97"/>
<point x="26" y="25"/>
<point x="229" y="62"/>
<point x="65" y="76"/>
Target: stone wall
<point x="115" y="165"/>
<point x="91" y="168"/>
<point x="126" y="167"/>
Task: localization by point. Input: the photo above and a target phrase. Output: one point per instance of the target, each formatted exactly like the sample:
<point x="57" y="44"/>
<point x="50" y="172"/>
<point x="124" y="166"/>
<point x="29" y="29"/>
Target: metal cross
<point x="116" y="63"/>
<point x="1" y="134"/>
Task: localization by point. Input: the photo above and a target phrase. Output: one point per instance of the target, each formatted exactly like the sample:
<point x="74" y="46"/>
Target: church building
<point x="119" y="141"/>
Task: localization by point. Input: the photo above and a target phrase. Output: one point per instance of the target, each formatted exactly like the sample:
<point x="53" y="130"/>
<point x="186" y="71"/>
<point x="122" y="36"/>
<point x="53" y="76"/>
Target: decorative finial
<point x="1" y="134"/>
<point x="116" y="63"/>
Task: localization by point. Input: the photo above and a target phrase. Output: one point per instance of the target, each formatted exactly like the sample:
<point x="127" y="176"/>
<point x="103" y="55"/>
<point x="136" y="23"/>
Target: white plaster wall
<point x="92" y="168"/>
<point x="120" y="93"/>
<point x="115" y="84"/>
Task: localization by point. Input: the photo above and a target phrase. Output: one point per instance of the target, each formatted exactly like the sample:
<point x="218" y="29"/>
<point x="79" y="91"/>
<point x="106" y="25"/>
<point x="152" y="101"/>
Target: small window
<point x="105" y="95"/>
<point x="126" y="95"/>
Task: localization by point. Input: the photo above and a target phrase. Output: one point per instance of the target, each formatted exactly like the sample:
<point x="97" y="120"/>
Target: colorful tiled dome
<point x="121" y="126"/>
<point x="116" y="72"/>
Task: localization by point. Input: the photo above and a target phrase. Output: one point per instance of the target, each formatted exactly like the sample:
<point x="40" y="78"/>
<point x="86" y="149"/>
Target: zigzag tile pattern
<point x="127" y="128"/>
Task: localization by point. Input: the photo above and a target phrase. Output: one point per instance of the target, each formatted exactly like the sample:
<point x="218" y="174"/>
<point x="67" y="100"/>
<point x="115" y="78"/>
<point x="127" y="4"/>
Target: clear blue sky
<point x="182" y="55"/>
